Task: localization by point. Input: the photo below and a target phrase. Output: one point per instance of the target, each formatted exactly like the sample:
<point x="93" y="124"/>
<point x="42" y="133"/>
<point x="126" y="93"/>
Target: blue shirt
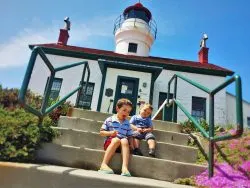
<point x="112" y="123"/>
<point x="140" y="122"/>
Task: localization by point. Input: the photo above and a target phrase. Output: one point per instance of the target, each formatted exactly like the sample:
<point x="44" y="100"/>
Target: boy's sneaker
<point x="137" y="151"/>
<point x="151" y="152"/>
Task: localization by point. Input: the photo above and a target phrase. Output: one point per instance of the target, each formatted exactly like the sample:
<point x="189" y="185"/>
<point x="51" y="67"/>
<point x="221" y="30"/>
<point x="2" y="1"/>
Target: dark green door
<point x="127" y="87"/>
<point x="168" y="112"/>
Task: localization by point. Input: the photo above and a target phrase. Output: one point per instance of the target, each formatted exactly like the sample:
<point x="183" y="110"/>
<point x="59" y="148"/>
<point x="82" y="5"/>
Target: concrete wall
<point x="111" y="79"/>
<point x="71" y="77"/>
<point x="231" y="110"/>
<point x="185" y="92"/>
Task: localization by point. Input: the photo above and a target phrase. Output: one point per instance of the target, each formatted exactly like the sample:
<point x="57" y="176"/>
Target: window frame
<point x="81" y="96"/>
<point x="52" y="90"/>
<point x="248" y="122"/>
<point x="204" y="111"/>
<point x="132" y="47"/>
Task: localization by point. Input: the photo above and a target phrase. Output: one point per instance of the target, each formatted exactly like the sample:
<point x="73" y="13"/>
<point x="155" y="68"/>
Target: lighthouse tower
<point x="135" y="31"/>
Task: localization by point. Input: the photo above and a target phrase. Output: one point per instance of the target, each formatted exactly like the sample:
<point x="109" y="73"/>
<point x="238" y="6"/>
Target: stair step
<point x="40" y="176"/>
<point x="146" y="167"/>
<point x="94" y="126"/>
<point x="95" y="141"/>
<point x="99" y="116"/>
<point x="94" y="115"/>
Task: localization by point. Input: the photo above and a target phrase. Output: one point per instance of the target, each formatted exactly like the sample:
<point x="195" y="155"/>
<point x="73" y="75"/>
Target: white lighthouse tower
<point x="135" y="31"/>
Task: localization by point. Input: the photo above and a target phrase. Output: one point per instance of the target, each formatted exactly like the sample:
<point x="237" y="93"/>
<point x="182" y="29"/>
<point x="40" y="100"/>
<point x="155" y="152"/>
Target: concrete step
<point x="92" y="140"/>
<point x="94" y="126"/>
<point x="88" y="114"/>
<point x="99" y="116"/>
<point x="19" y="175"/>
<point x="146" y="167"/>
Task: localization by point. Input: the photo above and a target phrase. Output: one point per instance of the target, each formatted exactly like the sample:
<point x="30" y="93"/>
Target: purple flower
<point x="225" y="176"/>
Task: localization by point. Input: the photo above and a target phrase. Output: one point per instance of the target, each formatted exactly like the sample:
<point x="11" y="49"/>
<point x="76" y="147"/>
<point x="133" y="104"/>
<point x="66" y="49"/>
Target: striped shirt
<point x="140" y="122"/>
<point x="112" y="123"/>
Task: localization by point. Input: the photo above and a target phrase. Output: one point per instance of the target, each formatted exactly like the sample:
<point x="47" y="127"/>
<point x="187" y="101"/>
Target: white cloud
<point x="15" y="52"/>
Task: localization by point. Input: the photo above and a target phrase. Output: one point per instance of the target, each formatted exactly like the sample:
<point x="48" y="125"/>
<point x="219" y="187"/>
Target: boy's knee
<point x="124" y="141"/>
<point x="116" y="141"/>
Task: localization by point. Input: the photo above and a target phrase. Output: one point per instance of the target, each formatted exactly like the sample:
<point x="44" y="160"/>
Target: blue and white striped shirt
<point x="140" y="122"/>
<point x="112" y="123"/>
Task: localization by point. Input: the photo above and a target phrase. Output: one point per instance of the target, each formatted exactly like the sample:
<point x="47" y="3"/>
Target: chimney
<point x="63" y="37"/>
<point x="64" y="34"/>
<point x="203" y="55"/>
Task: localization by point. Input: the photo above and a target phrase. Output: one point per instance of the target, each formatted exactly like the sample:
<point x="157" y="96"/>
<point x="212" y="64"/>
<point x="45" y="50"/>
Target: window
<point x="56" y="87"/>
<point x="132" y="47"/>
<point x="248" y="122"/>
<point x="199" y="107"/>
<point x="86" y="100"/>
<point x="137" y="14"/>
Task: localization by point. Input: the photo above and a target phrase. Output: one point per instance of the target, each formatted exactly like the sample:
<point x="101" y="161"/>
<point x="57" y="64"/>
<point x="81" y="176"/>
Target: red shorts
<point x="107" y="143"/>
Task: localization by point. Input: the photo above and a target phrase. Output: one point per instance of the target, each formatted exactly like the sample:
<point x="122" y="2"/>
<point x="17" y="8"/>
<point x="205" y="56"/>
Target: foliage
<point x="232" y="160"/>
<point x="189" y="127"/>
<point x="185" y="181"/>
<point x="9" y="101"/>
<point x="9" y="98"/>
<point x="20" y="135"/>
<point x="60" y="110"/>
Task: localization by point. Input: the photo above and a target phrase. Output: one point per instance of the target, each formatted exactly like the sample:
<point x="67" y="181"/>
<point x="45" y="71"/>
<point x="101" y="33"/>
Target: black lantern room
<point x="137" y="11"/>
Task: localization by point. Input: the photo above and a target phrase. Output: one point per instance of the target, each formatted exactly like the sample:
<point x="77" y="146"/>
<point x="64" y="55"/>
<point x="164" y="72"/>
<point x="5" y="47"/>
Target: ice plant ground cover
<point x="232" y="169"/>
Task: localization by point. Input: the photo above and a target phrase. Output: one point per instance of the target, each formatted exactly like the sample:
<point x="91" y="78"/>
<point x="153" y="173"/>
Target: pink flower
<point x="225" y="177"/>
<point x="246" y="166"/>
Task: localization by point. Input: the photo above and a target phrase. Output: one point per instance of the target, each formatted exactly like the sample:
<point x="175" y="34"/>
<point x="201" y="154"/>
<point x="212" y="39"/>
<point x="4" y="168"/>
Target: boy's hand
<point x="140" y="130"/>
<point x="114" y="133"/>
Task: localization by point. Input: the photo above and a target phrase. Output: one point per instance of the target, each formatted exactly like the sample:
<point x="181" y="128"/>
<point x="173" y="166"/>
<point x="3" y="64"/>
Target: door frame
<point x="134" y="102"/>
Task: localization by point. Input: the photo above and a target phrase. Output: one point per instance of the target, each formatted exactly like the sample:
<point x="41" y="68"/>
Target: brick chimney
<point x="63" y="37"/>
<point x="64" y="33"/>
<point x="203" y="55"/>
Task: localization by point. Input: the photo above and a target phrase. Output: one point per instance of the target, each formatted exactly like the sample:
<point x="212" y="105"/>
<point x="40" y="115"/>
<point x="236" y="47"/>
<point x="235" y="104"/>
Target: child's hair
<point x="122" y="102"/>
<point x="147" y="105"/>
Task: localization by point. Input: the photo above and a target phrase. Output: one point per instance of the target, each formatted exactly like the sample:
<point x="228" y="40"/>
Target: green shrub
<point x="20" y="135"/>
<point x="185" y="181"/>
<point x="60" y="110"/>
<point x="189" y="127"/>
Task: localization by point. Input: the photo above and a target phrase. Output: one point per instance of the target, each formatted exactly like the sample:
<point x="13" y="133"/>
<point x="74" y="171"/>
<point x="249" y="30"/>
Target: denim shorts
<point x="145" y="136"/>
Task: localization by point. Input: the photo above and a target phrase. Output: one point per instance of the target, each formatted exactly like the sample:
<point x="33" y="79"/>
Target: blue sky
<point x="181" y="24"/>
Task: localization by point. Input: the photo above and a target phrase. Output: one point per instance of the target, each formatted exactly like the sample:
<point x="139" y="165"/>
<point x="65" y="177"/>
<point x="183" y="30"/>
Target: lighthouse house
<point x="130" y="72"/>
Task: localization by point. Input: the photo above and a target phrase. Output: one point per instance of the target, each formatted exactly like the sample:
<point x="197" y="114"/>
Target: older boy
<point x="117" y="130"/>
<point x="143" y="127"/>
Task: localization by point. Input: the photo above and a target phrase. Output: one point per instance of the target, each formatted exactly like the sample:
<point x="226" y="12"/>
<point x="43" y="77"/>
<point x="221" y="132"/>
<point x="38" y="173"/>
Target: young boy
<point x="118" y="131"/>
<point x="143" y="127"/>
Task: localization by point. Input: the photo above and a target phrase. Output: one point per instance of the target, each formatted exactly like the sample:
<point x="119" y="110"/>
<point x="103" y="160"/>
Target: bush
<point x="20" y="135"/>
<point x="60" y="110"/>
<point x="189" y="127"/>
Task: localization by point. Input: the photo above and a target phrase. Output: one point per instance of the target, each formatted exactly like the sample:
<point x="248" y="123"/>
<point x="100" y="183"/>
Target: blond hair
<point x="147" y="105"/>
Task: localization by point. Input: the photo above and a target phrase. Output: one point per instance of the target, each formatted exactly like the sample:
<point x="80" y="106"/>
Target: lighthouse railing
<point x="151" y="25"/>
<point x="43" y="111"/>
<point x="210" y="136"/>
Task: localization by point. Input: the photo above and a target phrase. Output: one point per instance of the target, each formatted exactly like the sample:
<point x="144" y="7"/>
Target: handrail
<point x="44" y="110"/>
<point x="152" y="26"/>
<point x="211" y="138"/>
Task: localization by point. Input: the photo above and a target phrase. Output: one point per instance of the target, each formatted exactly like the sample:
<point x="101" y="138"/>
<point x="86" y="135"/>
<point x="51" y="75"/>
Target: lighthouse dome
<point x="137" y="11"/>
<point x="135" y="31"/>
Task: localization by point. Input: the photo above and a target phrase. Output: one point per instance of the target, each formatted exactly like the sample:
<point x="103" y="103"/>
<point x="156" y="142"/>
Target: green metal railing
<point x="209" y="136"/>
<point x="44" y="110"/>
